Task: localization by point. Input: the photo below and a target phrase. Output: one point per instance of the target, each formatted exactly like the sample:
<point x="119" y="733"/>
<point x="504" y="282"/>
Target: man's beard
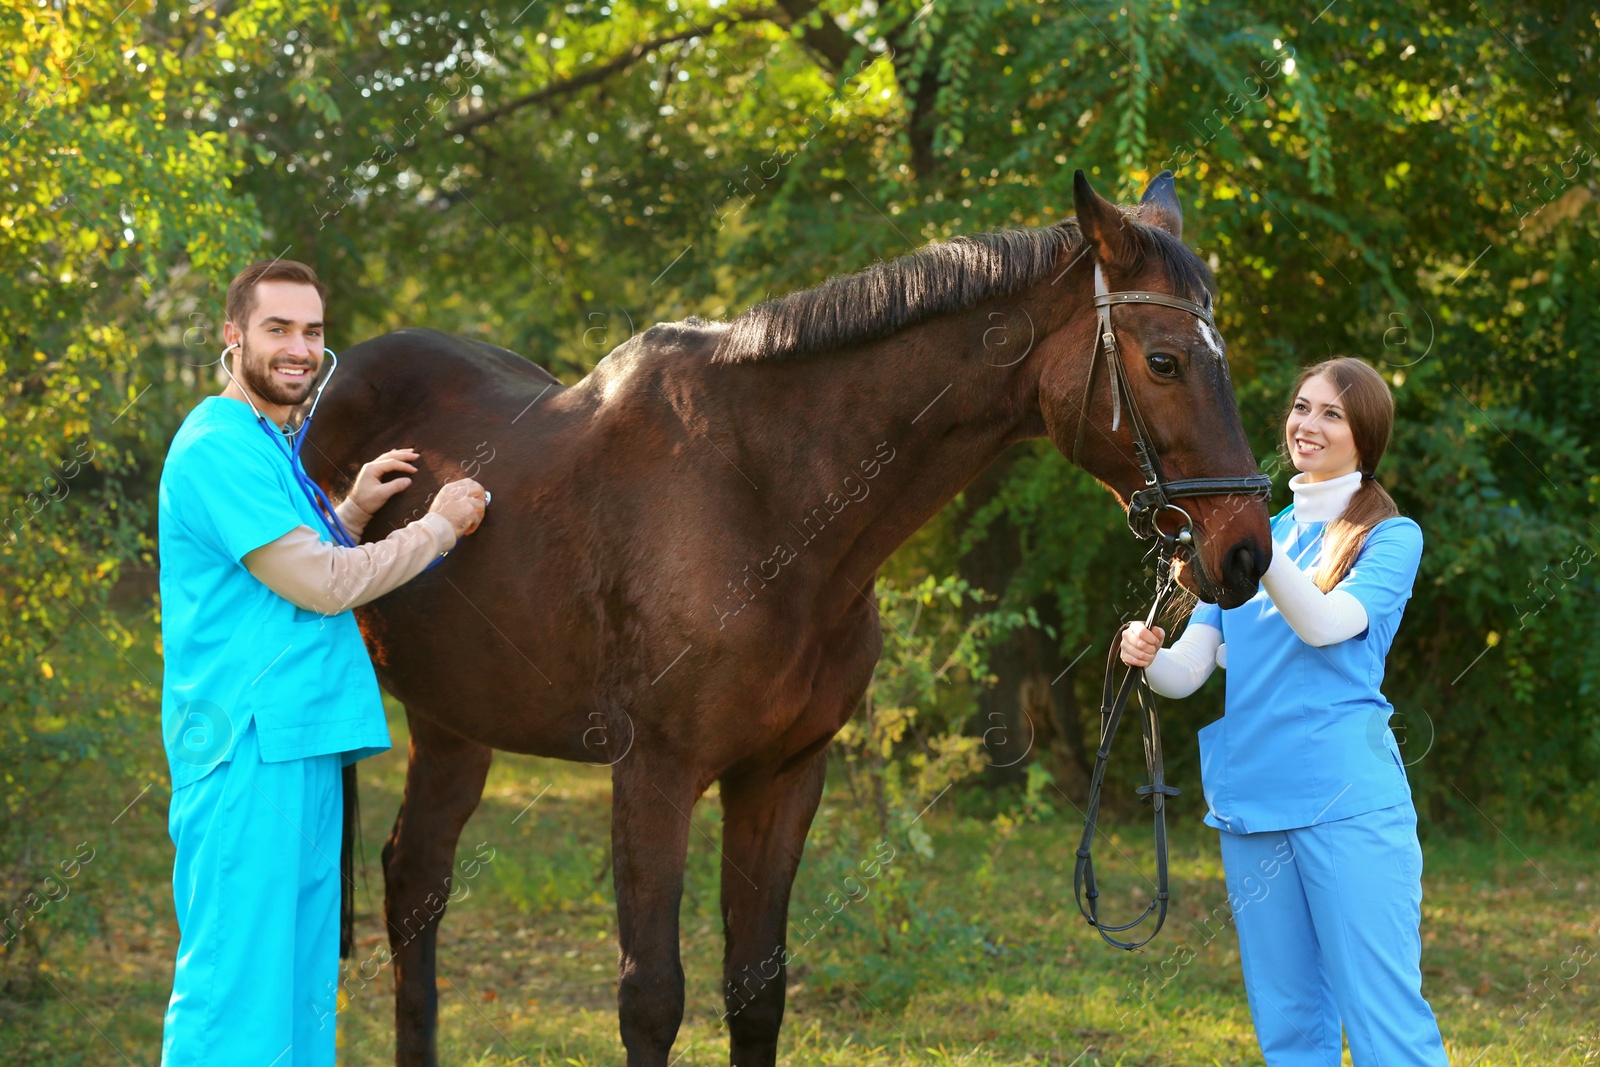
<point x="257" y="374"/>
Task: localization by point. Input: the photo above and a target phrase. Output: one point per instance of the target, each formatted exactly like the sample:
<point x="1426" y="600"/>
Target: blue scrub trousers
<point x="256" y="887"/>
<point x="1329" y="921"/>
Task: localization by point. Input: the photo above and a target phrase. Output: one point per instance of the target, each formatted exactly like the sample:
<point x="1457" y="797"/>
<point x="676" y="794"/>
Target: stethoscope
<point x="296" y="439"/>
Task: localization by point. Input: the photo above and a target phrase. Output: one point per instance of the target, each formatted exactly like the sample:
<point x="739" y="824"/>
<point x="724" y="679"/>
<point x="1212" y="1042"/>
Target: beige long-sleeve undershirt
<point x="320" y="576"/>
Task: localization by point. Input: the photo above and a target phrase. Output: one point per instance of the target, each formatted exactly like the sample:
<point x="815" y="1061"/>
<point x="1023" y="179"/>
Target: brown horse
<point x="675" y="576"/>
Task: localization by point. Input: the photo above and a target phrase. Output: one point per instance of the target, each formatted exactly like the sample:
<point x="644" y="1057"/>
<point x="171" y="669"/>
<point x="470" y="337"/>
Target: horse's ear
<point x="1159" y="204"/>
<point x="1101" y="222"/>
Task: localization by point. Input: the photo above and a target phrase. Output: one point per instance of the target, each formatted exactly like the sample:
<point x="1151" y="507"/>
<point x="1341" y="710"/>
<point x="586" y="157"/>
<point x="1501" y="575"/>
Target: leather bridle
<point x="1158" y="494"/>
<point x="1144" y="508"/>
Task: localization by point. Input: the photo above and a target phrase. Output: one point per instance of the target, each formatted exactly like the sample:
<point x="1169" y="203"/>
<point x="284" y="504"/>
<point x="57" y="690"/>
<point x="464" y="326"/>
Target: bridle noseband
<point x="1144" y="507"/>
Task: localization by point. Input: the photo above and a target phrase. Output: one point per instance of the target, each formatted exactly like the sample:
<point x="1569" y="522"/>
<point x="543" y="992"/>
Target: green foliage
<point x="111" y="200"/>
<point x="899" y="758"/>
<point x="908" y="745"/>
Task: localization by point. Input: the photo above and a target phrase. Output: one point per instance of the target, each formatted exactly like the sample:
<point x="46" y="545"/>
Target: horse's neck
<point x="853" y="453"/>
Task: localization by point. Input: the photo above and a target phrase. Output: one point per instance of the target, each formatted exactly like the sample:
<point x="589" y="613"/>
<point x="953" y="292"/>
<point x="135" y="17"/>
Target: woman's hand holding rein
<point x="1140" y="643"/>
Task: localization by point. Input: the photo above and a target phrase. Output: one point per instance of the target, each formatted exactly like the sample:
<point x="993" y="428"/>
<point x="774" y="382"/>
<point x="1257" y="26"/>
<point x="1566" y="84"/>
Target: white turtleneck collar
<point x="1323" y="501"/>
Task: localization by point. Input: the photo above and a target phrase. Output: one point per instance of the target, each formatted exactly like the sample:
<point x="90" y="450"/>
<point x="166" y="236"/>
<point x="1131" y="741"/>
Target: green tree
<point x="115" y="204"/>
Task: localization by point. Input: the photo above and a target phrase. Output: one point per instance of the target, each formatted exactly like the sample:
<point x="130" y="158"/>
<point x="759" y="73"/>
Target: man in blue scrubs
<point x="263" y="701"/>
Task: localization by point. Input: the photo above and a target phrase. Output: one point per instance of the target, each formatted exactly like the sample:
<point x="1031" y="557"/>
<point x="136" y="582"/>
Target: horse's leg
<point x="651" y="803"/>
<point x="765" y="820"/>
<point x="444" y="782"/>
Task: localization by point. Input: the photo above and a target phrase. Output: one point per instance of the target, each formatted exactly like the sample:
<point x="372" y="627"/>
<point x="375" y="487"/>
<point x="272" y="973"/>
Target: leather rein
<point x="1144" y="507"/>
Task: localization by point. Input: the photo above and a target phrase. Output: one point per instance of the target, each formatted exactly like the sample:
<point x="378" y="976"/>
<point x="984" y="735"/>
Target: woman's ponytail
<point x="1342" y="541"/>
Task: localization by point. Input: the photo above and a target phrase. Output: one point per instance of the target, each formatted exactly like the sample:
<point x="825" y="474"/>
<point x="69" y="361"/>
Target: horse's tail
<point x="347" y="863"/>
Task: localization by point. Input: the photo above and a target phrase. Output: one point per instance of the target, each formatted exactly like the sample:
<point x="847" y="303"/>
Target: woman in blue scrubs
<point x="1302" y="775"/>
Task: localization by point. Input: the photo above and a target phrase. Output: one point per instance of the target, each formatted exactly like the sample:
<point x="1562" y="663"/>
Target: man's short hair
<point x="242" y="290"/>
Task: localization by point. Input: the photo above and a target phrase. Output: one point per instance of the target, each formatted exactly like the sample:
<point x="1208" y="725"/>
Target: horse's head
<point x="1175" y="391"/>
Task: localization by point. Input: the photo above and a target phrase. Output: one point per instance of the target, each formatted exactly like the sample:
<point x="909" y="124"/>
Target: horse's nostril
<point x="1245" y="565"/>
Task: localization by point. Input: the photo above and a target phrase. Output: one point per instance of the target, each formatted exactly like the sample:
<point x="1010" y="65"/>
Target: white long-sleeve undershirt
<point x="1184" y="667"/>
<point x="1318" y="618"/>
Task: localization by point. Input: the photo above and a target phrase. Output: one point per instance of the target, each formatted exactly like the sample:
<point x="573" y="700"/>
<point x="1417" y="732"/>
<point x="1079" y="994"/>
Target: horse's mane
<point x="941" y="278"/>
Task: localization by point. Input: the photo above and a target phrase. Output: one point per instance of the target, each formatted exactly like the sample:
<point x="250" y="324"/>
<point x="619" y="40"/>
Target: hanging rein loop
<point x="1145" y="507"/>
<point x="1113" y="703"/>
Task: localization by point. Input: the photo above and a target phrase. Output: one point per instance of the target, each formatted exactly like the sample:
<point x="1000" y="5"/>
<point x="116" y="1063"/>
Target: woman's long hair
<point x="1369" y="410"/>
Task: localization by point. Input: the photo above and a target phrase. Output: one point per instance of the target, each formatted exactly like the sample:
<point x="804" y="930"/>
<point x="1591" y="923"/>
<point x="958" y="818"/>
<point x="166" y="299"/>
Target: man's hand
<point x="371" y="493"/>
<point x="462" y="503"/>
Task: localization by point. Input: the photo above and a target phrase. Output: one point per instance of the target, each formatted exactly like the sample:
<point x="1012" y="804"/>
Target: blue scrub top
<point x="235" y="651"/>
<point x="1305" y="735"/>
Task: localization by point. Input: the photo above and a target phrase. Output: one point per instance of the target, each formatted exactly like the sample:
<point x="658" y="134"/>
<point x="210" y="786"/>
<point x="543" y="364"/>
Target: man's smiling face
<point x="281" y="348"/>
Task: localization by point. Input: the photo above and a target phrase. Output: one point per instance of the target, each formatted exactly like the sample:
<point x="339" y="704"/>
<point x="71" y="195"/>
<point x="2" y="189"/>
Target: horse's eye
<point x="1163" y="365"/>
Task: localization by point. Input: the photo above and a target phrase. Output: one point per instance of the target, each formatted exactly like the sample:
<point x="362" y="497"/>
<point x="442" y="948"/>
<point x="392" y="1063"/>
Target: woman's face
<point x="1318" y="431"/>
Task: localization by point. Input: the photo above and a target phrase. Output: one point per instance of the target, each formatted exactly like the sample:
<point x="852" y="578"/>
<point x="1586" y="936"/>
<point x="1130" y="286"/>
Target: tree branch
<point x="828" y="41"/>
<point x="922" y="118"/>
<point x="596" y="74"/>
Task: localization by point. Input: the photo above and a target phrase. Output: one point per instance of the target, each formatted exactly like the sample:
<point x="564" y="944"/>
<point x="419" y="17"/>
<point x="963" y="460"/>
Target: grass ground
<point x="989" y="964"/>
